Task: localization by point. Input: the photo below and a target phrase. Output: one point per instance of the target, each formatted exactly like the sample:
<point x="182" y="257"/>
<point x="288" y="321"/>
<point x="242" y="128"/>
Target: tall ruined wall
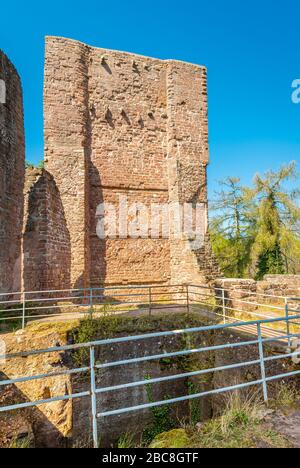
<point x="46" y="241"/>
<point x="120" y="125"/>
<point x="12" y="164"/>
<point x="187" y="157"/>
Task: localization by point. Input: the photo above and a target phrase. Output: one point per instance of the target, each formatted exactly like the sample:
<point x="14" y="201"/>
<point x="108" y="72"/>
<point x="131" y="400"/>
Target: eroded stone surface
<point x="12" y="168"/>
<point x="118" y="124"/>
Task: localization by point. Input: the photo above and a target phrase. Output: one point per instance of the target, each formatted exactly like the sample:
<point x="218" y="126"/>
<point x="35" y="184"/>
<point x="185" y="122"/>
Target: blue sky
<point x="251" y="49"/>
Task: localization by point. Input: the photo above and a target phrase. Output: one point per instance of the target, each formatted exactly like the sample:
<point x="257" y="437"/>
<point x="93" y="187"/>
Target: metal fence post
<point x="187" y="298"/>
<point x="287" y="316"/>
<point x="262" y="363"/>
<point x="23" y="310"/>
<point x="224" y="305"/>
<point x="150" y="300"/>
<point x="94" y="398"/>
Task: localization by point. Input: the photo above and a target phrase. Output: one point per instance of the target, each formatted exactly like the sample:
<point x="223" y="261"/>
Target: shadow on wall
<point x="98" y="247"/>
<point x="46" y="239"/>
<point x="28" y="426"/>
<point x="94" y="274"/>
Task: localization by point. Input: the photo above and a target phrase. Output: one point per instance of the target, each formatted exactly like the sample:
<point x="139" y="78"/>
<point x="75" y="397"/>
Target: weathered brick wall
<point x="46" y="241"/>
<point x="280" y="285"/>
<point x="268" y="291"/>
<point x="120" y="124"/>
<point x="12" y="155"/>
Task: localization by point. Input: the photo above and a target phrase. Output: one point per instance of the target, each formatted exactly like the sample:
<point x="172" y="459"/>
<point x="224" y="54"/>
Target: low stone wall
<point x="272" y="290"/>
<point x="280" y="285"/>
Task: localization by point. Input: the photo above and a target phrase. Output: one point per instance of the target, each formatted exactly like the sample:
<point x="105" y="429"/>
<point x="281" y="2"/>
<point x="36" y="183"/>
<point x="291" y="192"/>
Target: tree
<point x="277" y="224"/>
<point x="231" y="227"/>
<point x="30" y="165"/>
<point x="256" y="231"/>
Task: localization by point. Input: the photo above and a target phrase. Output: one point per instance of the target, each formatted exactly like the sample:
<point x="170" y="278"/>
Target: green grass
<point x="106" y="327"/>
<point x="287" y="396"/>
<point x="240" y="426"/>
<point x="126" y="441"/>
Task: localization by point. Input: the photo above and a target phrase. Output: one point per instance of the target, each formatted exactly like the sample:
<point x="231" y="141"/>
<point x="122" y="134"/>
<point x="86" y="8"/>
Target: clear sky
<point x="251" y="49"/>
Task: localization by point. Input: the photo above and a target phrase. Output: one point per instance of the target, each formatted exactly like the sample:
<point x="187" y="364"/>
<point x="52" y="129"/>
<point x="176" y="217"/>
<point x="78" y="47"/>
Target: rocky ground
<point x="240" y="427"/>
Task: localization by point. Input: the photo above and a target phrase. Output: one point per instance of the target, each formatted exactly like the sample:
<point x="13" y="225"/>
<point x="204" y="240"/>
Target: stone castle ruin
<point x="12" y="171"/>
<point x="120" y="124"/>
<point x="116" y="126"/>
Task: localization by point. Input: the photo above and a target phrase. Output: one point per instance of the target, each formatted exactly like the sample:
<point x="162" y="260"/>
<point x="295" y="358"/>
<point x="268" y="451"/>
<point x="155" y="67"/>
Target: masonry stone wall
<point x="118" y="124"/>
<point x="12" y="167"/>
<point x="272" y="290"/>
<point x="46" y="241"/>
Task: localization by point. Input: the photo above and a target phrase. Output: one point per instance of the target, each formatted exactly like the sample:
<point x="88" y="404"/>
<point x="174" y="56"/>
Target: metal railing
<point x="95" y="366"/>
<point x="23" y="307"/>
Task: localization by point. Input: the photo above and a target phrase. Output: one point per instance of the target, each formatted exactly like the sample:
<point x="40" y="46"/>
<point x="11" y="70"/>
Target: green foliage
<point x="277" y="214"/>
<point x="241" y="426"/>
<point x="30" y="165"/>
<point x="177" y="438"/>
<point x="255" y="231"/>
<point x="194" y="405"/>
<point x="21" y="443"/>
<point x="83" y="334"/>
<point x="162" y="420"/>
<point x="231" y="228"/>
<point x="287" y="395"/>
<point x="126" y="441"/>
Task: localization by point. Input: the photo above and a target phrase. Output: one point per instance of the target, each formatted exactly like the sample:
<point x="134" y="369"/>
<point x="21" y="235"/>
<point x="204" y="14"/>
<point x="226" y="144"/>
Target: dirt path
<point x="203" y="311"/>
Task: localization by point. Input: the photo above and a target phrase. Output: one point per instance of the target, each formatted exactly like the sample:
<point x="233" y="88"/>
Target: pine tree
<point x="231" y="227"/>
<point x="277" y="214"/>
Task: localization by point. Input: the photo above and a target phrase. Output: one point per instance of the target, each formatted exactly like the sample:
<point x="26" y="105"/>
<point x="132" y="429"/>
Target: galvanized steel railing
<point x="69" y="303"/>
<point x="94" y="367"/>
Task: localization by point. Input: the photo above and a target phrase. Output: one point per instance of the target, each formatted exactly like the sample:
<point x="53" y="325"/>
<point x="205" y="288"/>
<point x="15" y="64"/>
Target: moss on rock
<point x="177" y="438"/>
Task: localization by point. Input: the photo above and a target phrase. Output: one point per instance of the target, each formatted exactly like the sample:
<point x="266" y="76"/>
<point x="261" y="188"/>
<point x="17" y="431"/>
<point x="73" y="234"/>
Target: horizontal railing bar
<point x="281" y="356"/>
<point x="185" y="352"/>
<point x="192" y="351"/>
<point x="178" y="399"/>
<point x="250" y="293"/>
<point x="110" y="288"/>
<point x="176" y="377"/>
<point x="232" y="317"/>
<point x="10" y="310"/>
<point x="282" y="376"/>
<point x="234" y="309"/>
<point x="84" y="313"/>
<point x="246" y="292"/>
<point x="11" y="302"/>
<point x="148" y="405"/>
<point x="146" y="336"/>
<point x="106" y="288"/>
<point x="238" y="300"/>
<point x="44" y="376"/>
<point x="19" y="317"/>
<point x="196" y="395"/>
<point x="144" y="382"/>
<point x="31" y="404"/>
